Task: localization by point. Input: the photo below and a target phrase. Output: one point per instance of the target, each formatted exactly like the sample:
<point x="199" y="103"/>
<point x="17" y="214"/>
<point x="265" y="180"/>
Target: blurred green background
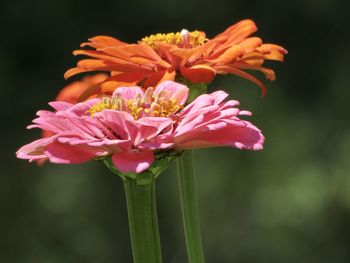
<point x="287" y="203"/>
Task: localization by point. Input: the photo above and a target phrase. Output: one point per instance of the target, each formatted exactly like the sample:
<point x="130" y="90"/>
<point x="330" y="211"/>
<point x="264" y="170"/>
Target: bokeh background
<point x="287" y="203"/>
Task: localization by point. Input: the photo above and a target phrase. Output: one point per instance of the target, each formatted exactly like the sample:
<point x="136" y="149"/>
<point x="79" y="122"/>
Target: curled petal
<point x="35" y="150"/>
<point x="238" y="31"/>
<point x="241" y="136"/>
<point x="243" y="74"/>
<point x="199" y="73"/>
<point x="74" y="71"/>
<point x="102" y="41"/>
<point x="174" y="91"/>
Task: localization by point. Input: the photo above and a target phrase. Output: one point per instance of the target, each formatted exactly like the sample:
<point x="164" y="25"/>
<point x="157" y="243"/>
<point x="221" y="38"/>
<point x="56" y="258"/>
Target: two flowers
<point x="137" y="109"/>
<point x="139" y="116"/>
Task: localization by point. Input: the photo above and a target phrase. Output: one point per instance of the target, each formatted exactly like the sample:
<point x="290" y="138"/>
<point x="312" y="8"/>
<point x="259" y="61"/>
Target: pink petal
<point x="176" y="91"/>
<point x="245" y="136"/>
<point x="200" y="102"/>
<point x="67" y="154"/>
<point x="137" y="131"/>
<point x="128" y="93"/>
<point x="35" y="150"/>
<point x="80" y="109"/>
<point x="156" y="125"/>
<point x="112" y="146"/>
<point x="118" y="122"/>
<point x="60" y="105"/>
<point x="133" y="162"/>
<point x="219" y="96"/>
<point x="207" y="100"/>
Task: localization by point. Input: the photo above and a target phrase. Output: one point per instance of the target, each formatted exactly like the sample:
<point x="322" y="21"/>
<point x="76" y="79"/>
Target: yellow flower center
<point x="151" y="106"/>
<point x="106" y="104"/>
<point x="182" y="39"/>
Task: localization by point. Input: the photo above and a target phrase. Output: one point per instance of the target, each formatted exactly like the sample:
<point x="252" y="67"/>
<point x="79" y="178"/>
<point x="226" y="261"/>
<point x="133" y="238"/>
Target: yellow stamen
<point x="196" y="38"/>
<point x="106" y="104"/>
<point x="165" y="108"/>
<point x="158" y="107"/>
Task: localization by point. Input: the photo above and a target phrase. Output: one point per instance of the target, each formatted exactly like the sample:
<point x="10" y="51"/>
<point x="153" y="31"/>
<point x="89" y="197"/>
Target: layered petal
<point x="72" y="92"/>
<point x="223" y="134"/>
<point x="208" y="122"/>
<point x="191" y="55"/>
<point x="131" y="124"/>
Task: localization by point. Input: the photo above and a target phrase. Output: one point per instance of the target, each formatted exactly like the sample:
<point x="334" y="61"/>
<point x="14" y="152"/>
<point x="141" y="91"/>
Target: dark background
<point x="287" y="203"/>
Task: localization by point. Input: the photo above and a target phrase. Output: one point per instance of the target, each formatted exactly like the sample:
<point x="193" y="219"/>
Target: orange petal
<point x="238" y="31"/>
<point x="137" y="53"/>
<point x="251" y="43"/>
<point x="274" y="55"/>
<point x="198" y="73"/>
<point x="98" y="55"/>
<point x="92" y="64"/>
<point x="133" y="76"/>
<point x="102" y="41"/>
<point x="158" y="77"/>
<point x="272" y="52"/>
<point x="273" y="47"/>
<point x="94" y="79"/>
<point x="90" y="92"/>
<point x="74" y="71"/>
<point x="269" y="73"/>
<point x="105" y="65"/>
<point x="109" y="86"/>
<point x="183" y="53"/>
<point x="132" y="50"/>
<point x="243" y="74"/>
<point x="229" y="55"/>
<point x="166" y="52"/>
<point x="73" y="91"/>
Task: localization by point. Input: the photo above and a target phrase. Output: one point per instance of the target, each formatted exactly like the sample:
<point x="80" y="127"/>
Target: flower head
<point x="192" y="55"/>
<point x="131" y="125"/>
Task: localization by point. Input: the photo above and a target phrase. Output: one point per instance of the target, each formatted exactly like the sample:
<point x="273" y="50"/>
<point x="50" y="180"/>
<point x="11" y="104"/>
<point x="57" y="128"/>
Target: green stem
<point x="189" y="207"/>
<point x="143" y="221"/>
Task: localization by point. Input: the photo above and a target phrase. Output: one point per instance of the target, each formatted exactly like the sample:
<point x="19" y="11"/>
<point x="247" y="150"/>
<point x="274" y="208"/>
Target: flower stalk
<point x="143" y="221"/>
<point x="189" y="207"/>
<point x="141" y="205"/>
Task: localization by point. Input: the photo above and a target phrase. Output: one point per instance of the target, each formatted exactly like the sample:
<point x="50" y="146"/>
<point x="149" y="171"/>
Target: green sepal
<point x="101" y="158"/>
<point x="196" y="89"/>
<point x="161" y="162"/>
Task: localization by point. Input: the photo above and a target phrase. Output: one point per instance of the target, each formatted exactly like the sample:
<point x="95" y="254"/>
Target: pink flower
<point x="132" y="124"/>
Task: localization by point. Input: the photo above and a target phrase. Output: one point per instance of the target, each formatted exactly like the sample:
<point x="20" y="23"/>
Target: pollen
<point x="148" y="106"/>
<point x="165" y="108"/>
<point x="106" y="104"/>
<point x="184" y="39"/>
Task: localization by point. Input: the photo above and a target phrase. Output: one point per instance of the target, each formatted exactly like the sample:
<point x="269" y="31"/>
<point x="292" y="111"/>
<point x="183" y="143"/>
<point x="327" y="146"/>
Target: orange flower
<point x="188" y="54"/>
